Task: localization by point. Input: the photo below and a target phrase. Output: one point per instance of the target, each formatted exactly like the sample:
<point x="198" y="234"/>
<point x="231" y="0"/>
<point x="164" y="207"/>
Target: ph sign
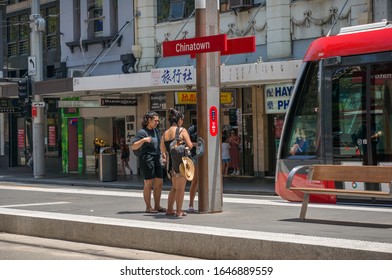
<point x="213" y="121"/>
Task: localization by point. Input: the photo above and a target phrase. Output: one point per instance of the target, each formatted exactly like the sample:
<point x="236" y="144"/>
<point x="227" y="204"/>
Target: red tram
<point x="341" y="108"/>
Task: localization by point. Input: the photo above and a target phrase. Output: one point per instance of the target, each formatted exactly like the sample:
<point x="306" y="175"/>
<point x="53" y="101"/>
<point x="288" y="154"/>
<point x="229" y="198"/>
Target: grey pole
<point x="208" y="111"/>
<point x="37" y="24"/>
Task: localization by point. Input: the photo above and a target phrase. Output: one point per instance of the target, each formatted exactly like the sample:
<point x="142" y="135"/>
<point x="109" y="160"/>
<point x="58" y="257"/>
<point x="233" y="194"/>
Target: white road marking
<point x="34" y="204"/>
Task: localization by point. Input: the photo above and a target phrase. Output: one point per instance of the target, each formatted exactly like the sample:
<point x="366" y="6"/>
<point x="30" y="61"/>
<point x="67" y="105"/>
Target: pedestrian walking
<point x="225" y="155"/>
<point x="125" y="157"/>
<point x="147" y="140"/>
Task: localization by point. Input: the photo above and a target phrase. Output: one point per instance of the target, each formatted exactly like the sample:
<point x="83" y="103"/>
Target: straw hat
<point x="187" y="169"/>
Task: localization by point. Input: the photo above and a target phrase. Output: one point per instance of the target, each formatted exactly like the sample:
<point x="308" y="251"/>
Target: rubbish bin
<point x="107" y="165"/>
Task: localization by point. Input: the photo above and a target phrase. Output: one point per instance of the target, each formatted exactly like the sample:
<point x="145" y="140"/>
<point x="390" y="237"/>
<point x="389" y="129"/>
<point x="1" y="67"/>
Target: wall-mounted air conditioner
<point x="74" y="73"/>
<point x="240" y="3"/>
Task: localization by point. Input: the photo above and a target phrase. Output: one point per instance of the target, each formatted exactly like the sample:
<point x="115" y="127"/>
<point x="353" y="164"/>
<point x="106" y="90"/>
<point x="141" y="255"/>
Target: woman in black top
<point x="148" y="140"/>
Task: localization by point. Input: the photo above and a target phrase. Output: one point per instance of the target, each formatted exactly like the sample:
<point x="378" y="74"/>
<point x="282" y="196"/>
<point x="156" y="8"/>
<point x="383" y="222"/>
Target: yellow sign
<point x="186" y="97"/>
<point x="226" y="97"/>
<point x="189" y="97"/>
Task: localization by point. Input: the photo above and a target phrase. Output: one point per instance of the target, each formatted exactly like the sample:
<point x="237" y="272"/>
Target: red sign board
<point x="240" y="45"/>
<point x="52" y="136"/>
<point x="33" y="111"/>
<point x="213" y="121"/>
<point x="195" y="45"/>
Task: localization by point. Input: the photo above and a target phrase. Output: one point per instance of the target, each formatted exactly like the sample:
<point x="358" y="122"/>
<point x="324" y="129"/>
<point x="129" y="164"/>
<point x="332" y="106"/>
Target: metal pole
<point x="208" y="98"/>
<point x="36" y="25"/>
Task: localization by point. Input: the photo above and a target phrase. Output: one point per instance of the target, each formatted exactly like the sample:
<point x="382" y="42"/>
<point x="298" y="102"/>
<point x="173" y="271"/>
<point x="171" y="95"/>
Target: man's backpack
<point x="177" y="151"/>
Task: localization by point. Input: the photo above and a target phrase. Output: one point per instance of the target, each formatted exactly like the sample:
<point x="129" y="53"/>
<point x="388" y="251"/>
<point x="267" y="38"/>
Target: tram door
<point x="362" y="115"/>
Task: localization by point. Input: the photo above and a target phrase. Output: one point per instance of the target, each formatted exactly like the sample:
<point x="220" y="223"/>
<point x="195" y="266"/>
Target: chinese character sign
<point x="173" y="76"/>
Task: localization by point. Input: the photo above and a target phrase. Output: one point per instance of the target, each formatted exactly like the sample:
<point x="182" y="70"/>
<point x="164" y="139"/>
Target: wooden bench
<point x="341" y="173"/>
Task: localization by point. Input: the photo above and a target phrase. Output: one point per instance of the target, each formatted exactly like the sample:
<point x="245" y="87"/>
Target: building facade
<point x="107" y="69"/>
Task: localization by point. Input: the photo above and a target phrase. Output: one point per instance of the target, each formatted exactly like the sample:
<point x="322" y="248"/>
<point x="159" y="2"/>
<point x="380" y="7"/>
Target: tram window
<point x="381" y="112"/>
<point x="349" y="110"/>
<point x="303" y="121"/>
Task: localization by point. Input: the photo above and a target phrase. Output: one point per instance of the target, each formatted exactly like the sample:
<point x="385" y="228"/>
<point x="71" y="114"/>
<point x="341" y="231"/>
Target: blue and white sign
<point x="173" y="76"/>
<point x="277" y="98"/>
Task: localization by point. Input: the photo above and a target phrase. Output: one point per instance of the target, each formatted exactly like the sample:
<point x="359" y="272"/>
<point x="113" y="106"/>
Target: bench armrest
<point x="293" y="172"/>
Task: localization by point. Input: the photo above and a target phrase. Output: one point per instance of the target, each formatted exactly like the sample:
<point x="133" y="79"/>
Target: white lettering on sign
<point x="277" y="98"/>
<point x="184" y="47"/>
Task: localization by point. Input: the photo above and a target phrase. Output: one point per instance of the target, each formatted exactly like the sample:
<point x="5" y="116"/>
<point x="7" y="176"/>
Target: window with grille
<point x="51" y="16"/>
<point x="18" y="35"/>
<point x="174" y="9"/>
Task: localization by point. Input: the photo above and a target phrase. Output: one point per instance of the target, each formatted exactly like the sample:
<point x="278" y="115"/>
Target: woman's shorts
<point x="226" y="160"/>
<point x="150" y="166"/>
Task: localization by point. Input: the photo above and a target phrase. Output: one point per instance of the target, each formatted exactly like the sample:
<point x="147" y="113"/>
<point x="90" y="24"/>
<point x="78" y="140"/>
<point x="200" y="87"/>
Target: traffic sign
<point x="32" y="66"/>
<point x="37" y="104"/>
<point x="194" y="46"/>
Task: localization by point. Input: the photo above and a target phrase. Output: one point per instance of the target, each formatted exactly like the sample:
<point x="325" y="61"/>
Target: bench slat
<point x="343" y="192"/>
<point x="370" y="174"/>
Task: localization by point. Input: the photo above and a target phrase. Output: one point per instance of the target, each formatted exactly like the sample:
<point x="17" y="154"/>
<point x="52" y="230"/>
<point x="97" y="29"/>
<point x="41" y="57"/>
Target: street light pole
<point x="208" y="111"/>
<point x="37" y="24"/>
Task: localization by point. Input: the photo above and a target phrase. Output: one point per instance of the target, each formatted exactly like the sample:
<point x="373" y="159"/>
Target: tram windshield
<point x="304" y="123"/>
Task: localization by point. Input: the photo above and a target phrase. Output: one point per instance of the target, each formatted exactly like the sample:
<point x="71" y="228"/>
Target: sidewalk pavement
<point x="80" y="208"/>
<point x="231" y="184"/>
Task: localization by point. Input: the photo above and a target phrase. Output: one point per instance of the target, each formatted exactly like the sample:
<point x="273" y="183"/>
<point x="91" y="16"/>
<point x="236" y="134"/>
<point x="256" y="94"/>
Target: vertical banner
<point x="52" y="135"/>
<point x="21" y="138"/>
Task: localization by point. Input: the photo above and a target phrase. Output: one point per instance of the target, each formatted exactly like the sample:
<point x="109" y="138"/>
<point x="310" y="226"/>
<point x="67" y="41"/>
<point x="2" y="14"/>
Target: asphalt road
<point x="21" y="247"/>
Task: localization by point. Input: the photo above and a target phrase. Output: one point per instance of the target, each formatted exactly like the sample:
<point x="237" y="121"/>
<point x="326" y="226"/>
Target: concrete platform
<point x="250" y="226"/>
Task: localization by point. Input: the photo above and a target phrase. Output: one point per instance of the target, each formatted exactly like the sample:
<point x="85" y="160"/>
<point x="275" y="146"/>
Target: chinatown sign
<point x="196" y="45"/>
<point x="205" y="44"/>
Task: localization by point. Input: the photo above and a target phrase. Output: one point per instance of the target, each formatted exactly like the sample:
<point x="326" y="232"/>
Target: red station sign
<point x="194" y="46"/>
<point x="213" y="43"/>
<point x="240" y="45"/>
